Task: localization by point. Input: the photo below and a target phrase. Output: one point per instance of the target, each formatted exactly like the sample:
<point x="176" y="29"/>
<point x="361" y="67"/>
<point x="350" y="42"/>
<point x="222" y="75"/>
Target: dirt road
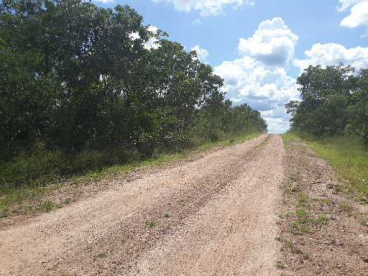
<point x="215" y="215"/>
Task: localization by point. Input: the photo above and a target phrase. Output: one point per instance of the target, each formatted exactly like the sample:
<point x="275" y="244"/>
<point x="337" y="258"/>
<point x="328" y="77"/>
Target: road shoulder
<point x="322" y="230"/>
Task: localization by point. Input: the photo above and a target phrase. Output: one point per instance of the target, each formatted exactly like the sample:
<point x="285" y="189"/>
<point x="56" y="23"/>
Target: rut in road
<point x="213" y="216"/>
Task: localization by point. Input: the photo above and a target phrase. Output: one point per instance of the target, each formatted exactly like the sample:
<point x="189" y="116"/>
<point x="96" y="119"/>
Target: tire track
<point x="105" y="234"/>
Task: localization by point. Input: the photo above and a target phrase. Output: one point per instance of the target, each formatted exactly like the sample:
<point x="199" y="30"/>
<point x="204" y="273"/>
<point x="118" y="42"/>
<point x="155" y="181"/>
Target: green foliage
<point x="358" y="110"/>
<point x="41" y="166"/>
<point x="280" y="265"/>
<point x="303" y="201"/>
<point x="48" y="206"/>
<point x="78" y="93"/>
<point x="151" y="224"/>
<point x="334" y="101"/>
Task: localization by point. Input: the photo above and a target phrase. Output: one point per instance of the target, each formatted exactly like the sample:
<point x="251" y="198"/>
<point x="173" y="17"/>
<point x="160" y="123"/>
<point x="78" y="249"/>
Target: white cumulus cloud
<point x="346" y="4"/>
<point x="206" y="7"/>
<point x="334" y="54"/>
<point x="273" y="43"/>
<point x="260" y="77"/>
<point x="202" y="54"/>
<point x="358" y="13"/>
<point x="265" y="89"/>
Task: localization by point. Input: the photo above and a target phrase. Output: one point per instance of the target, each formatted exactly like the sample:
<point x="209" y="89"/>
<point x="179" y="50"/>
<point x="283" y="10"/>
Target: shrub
<point x="40" y="166"/>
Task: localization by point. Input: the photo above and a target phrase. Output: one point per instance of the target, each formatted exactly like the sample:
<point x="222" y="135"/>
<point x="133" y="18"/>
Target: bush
<point x="87" y="160"/>
<point x="37" y="168"/>
<point x="112" y="156"/>
<point x="42" y="166"/>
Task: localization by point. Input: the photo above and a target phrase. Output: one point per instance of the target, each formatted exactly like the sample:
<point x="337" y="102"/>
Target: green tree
<point x="358" y="109"/>
<point x="325" y="95"/>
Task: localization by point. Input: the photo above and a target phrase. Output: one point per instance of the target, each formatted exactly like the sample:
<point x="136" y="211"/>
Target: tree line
<point x="334" y="101"/>
<point x="77" y="78"/>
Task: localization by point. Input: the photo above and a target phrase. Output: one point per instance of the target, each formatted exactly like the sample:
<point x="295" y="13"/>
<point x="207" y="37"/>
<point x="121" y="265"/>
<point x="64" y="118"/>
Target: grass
<point x="48" y="206"/>
<point x="305" y="223"/>
<point x="346" y="155"/>
<point x="303" y="200"/>
<point x="11" y="196"/>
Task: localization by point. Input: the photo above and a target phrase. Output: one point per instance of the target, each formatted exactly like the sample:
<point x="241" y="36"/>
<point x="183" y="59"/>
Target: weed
<point x="347" y="208"/>
<point x="166" y="216"/>
<point x="181" y="203"/>
<point x="306" y="256"/>
<point x="339" y="188"/>
<point x="293" y="248"/>
<point x="300" y="226"/>
<point x="303" y="201"/>
<point x="326" y="201"/>
<point x="67" y="201"/>
<point x="4" y="213"/>
<point x="280" y="265"/>
<point x="47" y="206"/>
<point x="302" y="215"/>
<point x="321" y="221"/>
<point x="101" y="255"/>
<point x="151" y="224"/>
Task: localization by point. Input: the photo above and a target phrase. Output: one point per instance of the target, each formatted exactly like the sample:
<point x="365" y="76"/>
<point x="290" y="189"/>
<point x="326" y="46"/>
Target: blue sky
<point x="260" y="47"/>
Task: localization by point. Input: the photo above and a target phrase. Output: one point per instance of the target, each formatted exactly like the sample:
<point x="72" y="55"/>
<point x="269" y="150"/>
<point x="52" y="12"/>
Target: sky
<point x="260" y="47"/>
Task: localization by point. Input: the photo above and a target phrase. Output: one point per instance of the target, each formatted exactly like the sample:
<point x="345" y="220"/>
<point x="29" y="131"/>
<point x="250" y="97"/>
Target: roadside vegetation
<point x="320" y="204"/>
<point x="87" y="90"/>
<point x="332" y="118"/>
<point x="320" y="225"/>
<point x="348" y="156"/>
<point x="29" y="199"/>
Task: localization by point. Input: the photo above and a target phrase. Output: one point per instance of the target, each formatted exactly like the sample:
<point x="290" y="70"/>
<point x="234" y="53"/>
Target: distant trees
<point x="334" y="101"/>
<point x="76" y="77"/>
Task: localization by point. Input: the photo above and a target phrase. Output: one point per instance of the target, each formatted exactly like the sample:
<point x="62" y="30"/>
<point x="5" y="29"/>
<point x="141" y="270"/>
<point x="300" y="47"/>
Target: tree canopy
<point x="334" y="101"/>
<point x="75" y="76"/>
